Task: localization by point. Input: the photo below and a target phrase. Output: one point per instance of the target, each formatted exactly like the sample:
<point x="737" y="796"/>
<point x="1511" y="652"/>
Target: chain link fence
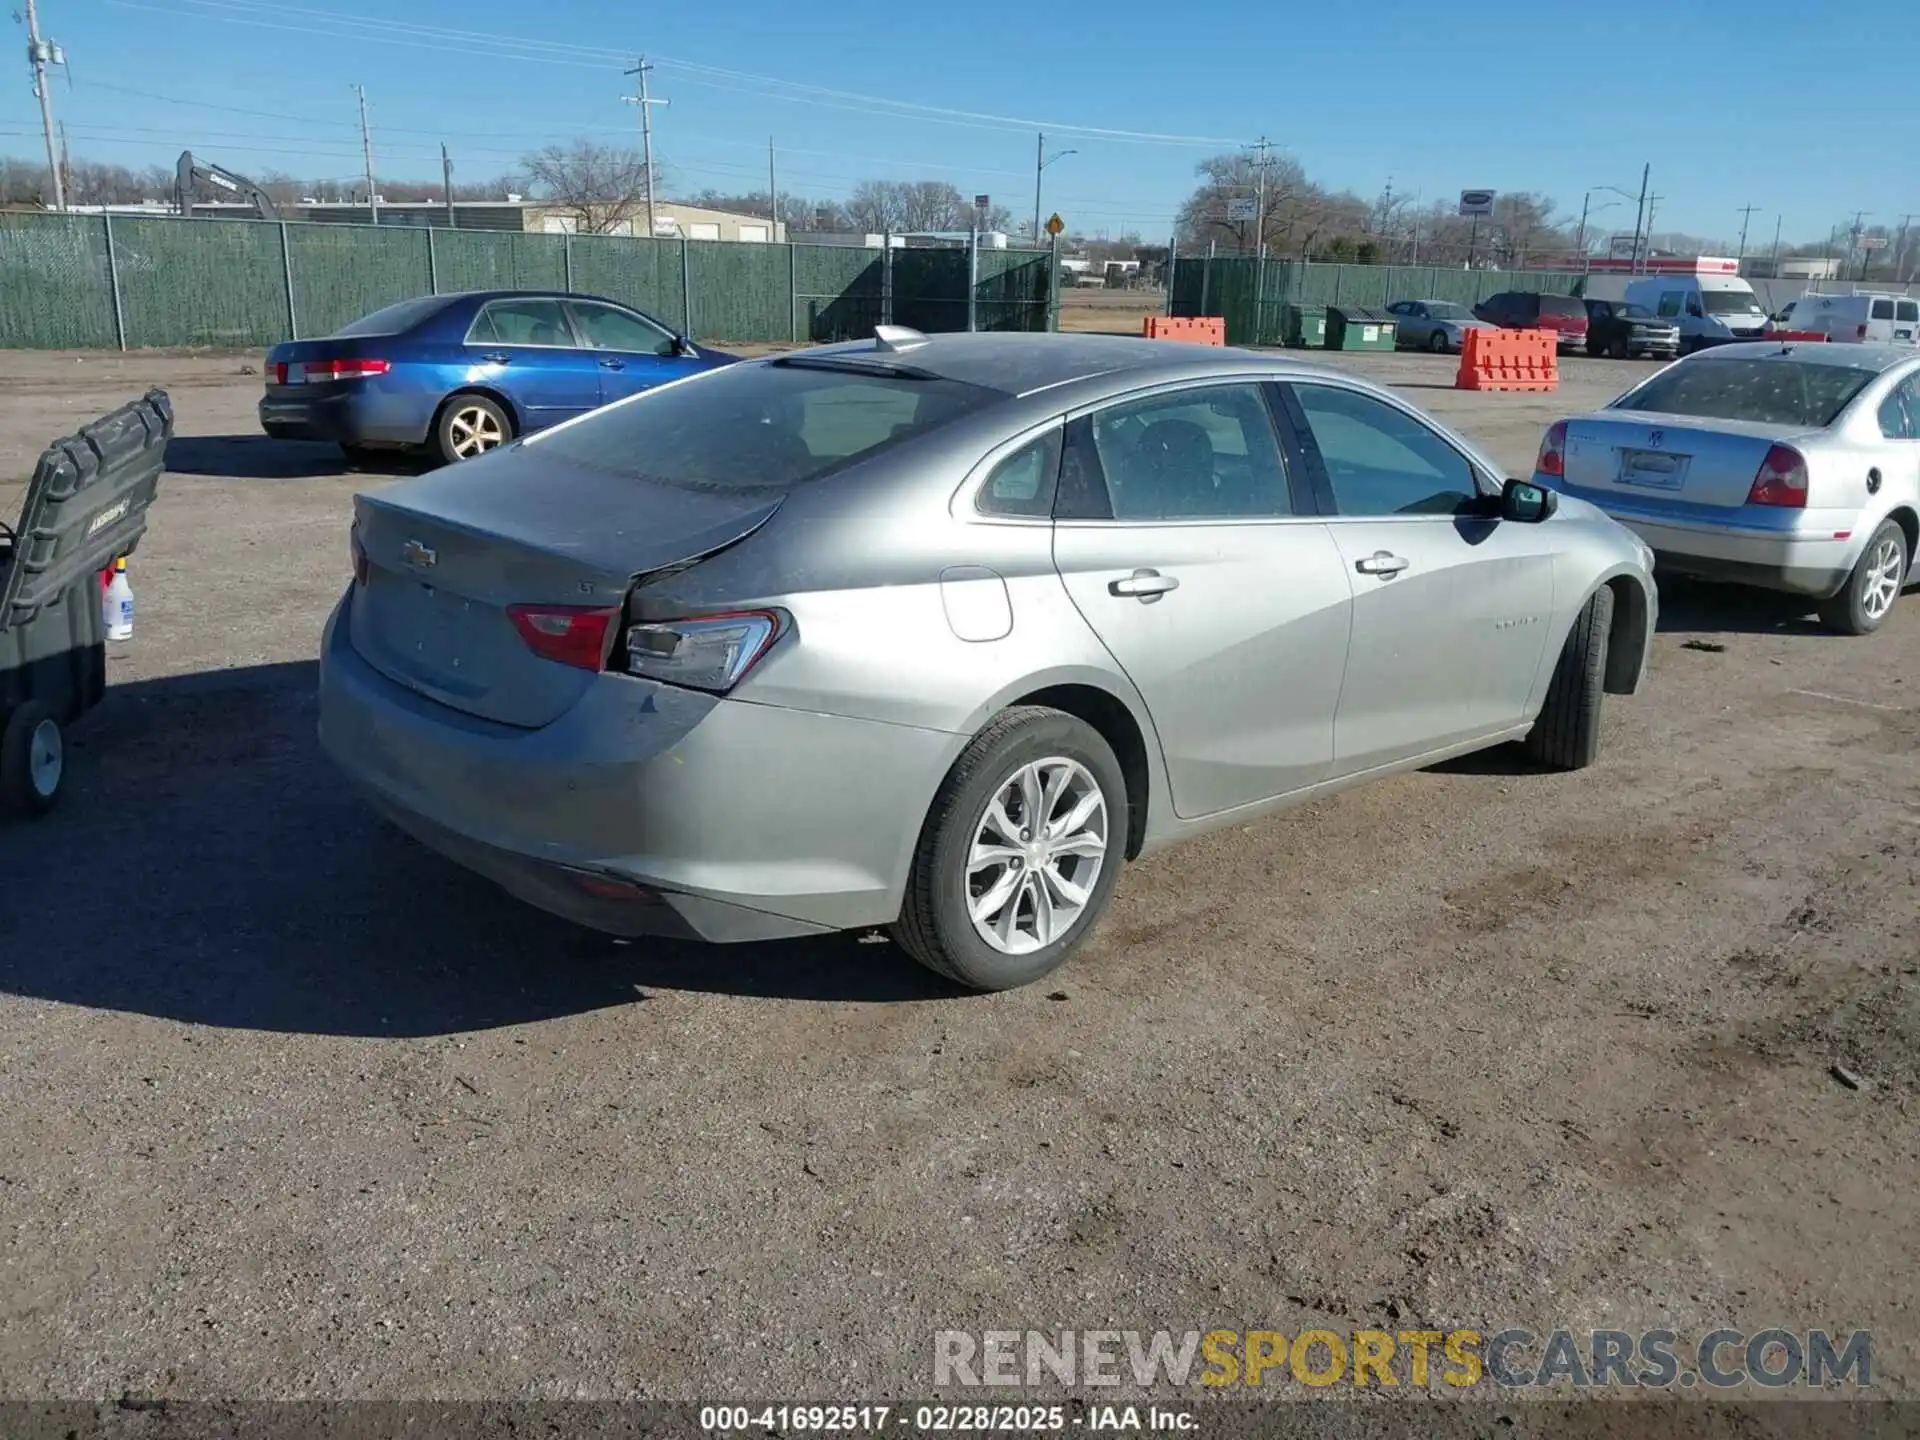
<point x="102" y="282"/>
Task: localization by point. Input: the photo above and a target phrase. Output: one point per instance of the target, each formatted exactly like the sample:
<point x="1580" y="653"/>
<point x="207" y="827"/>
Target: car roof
<point x="1021" y="363"/>
<point x="1873" y="357"/>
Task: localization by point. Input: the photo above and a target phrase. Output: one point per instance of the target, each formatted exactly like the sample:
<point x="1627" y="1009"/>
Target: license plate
<point x="1652" y="469"/>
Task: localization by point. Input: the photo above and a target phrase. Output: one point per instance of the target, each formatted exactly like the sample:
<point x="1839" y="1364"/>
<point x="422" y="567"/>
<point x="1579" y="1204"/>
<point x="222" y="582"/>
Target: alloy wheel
<point x="473" y="430"/>
<point x="1883" y="579"/>
<point x="1036" y="856"/>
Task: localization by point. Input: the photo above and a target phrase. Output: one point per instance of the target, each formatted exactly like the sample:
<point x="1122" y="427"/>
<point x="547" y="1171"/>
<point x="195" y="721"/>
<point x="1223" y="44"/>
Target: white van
<point x="1709" y="309"/>
<point x="1858" y="319"/>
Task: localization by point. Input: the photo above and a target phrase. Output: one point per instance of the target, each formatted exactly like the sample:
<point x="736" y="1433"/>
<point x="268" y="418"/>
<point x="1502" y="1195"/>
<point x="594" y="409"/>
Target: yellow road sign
<point x="1055" y="224"/>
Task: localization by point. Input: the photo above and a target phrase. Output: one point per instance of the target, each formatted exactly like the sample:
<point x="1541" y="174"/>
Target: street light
<point x="1041" y="160"/>
<point x="1587" y="206"/>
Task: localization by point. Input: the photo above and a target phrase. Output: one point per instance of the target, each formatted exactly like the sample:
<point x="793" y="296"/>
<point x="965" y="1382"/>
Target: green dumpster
<point x="1358" y="327"/>
<point x="1304" y="325"/>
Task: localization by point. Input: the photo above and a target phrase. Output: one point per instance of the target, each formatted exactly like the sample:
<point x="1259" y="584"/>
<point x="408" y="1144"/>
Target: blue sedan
<point x="460" y="374"/>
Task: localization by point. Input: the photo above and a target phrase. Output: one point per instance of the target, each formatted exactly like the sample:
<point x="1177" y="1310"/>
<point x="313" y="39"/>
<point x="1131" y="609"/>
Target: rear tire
<point x="1437" y="342"/>
<point x="1566" y="736"/>
<point x="966" y="857"/>
<point x="1867" y="598"/>
<point x="470" y="425"/>
<point x="32" y="761"/>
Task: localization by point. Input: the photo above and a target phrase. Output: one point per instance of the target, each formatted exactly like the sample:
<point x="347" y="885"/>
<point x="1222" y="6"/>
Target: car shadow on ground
<point x="1699" y="607"/>
<point x="256" y="457"/>
<point x="206" y="865"/>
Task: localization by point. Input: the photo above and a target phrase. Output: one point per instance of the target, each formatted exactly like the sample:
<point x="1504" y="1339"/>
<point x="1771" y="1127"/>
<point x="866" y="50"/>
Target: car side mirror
<point x="682" y="345"/>
<point x="1526" y="503"/>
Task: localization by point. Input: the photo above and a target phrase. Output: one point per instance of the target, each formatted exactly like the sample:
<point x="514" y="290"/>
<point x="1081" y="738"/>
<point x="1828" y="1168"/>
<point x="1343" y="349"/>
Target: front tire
<point x="1566" y="736"/>
<point x="1437" y="342"/>
<point x="1020" y="852"/>
<point x="1868" y="596"/>
<point x="33" y="761"/>
<point x="470" y="425"/>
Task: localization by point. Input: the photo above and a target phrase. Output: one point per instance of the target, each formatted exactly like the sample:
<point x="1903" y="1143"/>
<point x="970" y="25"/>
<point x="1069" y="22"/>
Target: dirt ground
<point x="291" y="1108"/>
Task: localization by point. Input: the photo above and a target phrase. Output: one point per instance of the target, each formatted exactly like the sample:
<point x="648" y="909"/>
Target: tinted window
<point x="1022" y="484"/>
<point x="1447" y="310"/>
<point x="1382" y="461"/>
<point x="1635" y="312"/>
<point x="1194" y="455"/>
<point x="1773" y="392"/>
<point x="1900" y="411"/>
<point x="1882" y="310"/>
<point x="522" y="322"/>
<point x="1907" y="310"/>
<point x="395" y="318"/>
<point x="1670" y="302"/>
<point x="1729" y="302"/>
<point x="1561" y="305"/>
<point x="605" y="328"/>
<point x="762" y="428"/>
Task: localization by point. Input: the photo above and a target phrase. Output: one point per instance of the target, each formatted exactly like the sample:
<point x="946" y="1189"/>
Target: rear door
<point x="1906" y="321"/>
<point x="1189" y="545"/>
<point x="633" y="353"/>
<point x="525" y="348"/>
<point x="1880" y="319"/>
<point x="1450" y="609"/>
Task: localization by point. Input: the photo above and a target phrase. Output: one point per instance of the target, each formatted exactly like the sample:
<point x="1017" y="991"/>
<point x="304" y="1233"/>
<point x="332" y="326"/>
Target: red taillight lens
<point x="277" y="373"/>
<point x="1782" y="479"/>
<point x="569" y="634"/>
<point x="359" y="557"/>
<point x="315" y="372"/>
<point x="1553" y="452"/>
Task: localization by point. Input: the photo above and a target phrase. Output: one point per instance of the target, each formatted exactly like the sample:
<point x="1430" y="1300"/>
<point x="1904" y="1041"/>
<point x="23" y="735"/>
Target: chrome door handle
<point x="496" y="358"/>
<point x="613" y="364"/>
<point x="1145" y="586"/>
<point x="1382" y="563"/>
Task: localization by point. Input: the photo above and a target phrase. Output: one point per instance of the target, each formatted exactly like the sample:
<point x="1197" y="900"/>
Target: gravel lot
<point x="293" y="1109"/>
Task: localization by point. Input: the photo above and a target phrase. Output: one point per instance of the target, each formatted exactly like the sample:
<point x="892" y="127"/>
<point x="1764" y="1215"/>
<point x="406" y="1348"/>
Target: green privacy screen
<point x="100" y="282"/>
<point x="1252" y="294"/>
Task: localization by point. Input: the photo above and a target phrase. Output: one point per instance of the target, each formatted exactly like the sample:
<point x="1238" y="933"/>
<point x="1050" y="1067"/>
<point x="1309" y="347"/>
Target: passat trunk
<point x="443" y="557"/>
<point x="1665" y="457"/>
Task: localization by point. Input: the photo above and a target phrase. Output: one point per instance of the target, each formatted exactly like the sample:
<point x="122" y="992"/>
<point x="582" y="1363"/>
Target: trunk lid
<point x="447" y="553"/>
<point x="287" y="362"/>
<point x="1656" y="459"/>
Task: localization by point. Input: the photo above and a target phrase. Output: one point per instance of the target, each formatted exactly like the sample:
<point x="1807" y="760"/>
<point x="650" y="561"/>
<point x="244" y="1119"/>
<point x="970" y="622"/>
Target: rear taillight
<point x="359" y="552"/>
<point x="710" y="652"/>
<point x="569" y="634"/>
<point x="1553" y="452"/>
<point x="318" y="372"/>
<point x="277" y="373"/>
<point x="1782" y="479"/>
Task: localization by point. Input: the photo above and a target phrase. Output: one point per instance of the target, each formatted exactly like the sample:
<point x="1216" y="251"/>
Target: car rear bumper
<point x="647" y="810"/>
<point x="1804" y="560"/>
<point x="364" y="417"/>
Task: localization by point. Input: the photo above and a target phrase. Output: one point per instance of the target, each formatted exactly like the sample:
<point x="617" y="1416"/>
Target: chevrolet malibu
<point x="937" y="633"/>
<point x="457" y="375"/>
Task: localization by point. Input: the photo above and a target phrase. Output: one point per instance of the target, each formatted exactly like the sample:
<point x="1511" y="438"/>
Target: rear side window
<point x="1769" y="392"/>
<point x="1023" y="483"/>
<point x="1906" y="310"/>
<point x="763" y="428"/>
<point x="1900" y="411"/>
<point x="395" y="319"/>
<point x="1561" y="305"/>
<point x="1882" y="310"/>
<point x="1206" y="454"/>
<point x="522" y="322"/>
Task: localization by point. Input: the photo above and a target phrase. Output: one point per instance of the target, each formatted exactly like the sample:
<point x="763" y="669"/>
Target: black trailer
<point x="86" y="508"/>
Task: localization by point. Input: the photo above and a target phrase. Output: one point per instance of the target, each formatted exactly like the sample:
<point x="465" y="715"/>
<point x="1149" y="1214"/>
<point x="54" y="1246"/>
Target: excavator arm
<point x="191" y="172"/>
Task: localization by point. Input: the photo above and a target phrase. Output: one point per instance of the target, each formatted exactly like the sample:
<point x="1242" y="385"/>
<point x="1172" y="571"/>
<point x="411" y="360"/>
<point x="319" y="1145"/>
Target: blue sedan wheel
<point x="470" y="425"/>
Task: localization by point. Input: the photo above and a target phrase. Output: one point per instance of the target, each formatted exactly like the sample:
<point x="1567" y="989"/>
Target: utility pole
<point x="773" y="195"/>
<point x="646" y="102"/>
<point x="66" y="162"/>
<point x="1746" y="214"/>
<point x="42" y="53"/>
<point x="1853" y="240"/>
<point x="1264" y="146"/>
<point x="446" y="180"/>
<point x="366" y="150"/>
<point x="1640" y="217"/>
<point x="1580" y="237"/>
<point x="1776" y="244"/>
<point x="1040" y="162"/>
<point x="1900" y="253"/>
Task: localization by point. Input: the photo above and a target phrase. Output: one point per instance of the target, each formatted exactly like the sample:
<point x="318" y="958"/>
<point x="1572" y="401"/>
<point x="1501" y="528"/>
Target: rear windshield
<point x="1561" y="305"/>
<point x="1882" y="310"/>
<point x="1770" y="392"/>
<point x="1729" y="302"/>
<point x="763" y="427"/>
<point x="1909" y="310"/>
<point x="395" y="318"/>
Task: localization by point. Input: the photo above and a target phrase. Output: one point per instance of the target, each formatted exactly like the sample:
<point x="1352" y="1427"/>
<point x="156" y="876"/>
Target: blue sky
<point x="1438" y="97"/>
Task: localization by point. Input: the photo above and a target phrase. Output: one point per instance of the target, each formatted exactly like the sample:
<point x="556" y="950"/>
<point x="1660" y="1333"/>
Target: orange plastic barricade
<point x="1797" y="336"/>
<point x="1195" y="329"/>
<point x="1509" y="360"/>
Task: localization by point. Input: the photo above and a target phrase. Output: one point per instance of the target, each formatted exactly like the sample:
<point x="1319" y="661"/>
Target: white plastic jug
<point x="116" y="604"/>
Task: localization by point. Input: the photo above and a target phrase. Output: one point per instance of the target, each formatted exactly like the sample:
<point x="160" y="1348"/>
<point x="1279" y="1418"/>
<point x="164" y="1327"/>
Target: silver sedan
<point x="1790" y="466"/>
<point x="936" y="633"/>
<point x="1436" y="325"/>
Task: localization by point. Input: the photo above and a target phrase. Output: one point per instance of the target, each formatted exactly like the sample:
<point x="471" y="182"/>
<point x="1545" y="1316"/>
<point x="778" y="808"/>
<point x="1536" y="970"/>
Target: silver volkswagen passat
<point x="937" y="632"/>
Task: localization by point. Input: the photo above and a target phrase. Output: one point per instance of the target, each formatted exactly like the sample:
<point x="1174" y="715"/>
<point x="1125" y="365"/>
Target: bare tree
<point x="878" y="205"/>
<point x="600" y="186"/>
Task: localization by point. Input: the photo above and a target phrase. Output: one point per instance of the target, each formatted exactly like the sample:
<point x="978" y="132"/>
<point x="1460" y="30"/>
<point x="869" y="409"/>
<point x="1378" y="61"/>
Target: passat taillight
<point x="1553" y="452"/>
<point x="316" y="372"/>
<point x="1781" y="479"/>
<point x="573" y="635"/>
<point x="277" y="373"/>
<point x="705" y="652"/>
